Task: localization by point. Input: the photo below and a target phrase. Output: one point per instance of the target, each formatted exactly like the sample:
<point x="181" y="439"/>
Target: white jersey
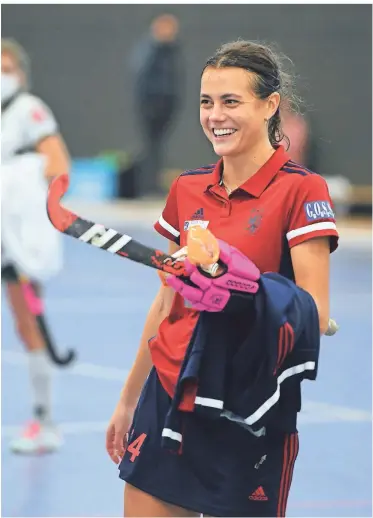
<point x="29" y="241"/>
<point x="24" y="123"/>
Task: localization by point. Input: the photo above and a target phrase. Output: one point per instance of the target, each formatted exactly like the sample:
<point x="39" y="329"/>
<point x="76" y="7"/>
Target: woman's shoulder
<point x="32" y="101"/>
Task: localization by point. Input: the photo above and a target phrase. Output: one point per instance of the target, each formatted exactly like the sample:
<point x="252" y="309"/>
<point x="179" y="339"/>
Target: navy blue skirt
<point x="223" y="469"/>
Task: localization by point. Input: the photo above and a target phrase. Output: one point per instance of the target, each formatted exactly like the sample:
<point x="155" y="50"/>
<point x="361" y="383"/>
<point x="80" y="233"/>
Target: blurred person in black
<point x="156" y="62"/>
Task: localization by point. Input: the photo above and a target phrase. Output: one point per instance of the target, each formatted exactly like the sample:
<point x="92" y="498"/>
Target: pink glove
<point x="212" y="294"/>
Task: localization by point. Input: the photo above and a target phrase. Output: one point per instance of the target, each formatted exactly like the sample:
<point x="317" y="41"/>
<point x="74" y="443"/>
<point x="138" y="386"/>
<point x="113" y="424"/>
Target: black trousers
<point x="156" y="114"/>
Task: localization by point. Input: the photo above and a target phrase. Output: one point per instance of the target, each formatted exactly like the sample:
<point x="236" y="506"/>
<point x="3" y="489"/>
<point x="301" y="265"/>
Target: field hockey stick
<point x="102" y="237"/>
<point x="56" y="357"/>
<point x="124" y="245"/>
<point x="35" y="306"/>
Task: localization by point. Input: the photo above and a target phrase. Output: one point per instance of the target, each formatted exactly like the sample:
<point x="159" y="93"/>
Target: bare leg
<point x="25" y="322"/>
<point x="137" y="503"/>
<point x="39" y="435"/>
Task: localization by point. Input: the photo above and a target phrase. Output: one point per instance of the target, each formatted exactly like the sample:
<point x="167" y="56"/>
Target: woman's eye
<point x="227" y="102"/>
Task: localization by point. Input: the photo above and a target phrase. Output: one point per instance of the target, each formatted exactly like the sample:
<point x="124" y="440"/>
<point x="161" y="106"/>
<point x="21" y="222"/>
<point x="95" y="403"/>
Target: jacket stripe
<point x="267" y="405"/>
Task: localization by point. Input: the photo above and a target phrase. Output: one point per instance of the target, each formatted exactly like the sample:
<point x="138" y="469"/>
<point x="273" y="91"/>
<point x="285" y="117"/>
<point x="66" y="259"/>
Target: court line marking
<point x="67" y="428"/>
<point x="85" y="369"/>
<point x="98" y="305"/>
<point x="313" y="412"/>
<point x="78" y="428"/>
<point x="114" y="306"/>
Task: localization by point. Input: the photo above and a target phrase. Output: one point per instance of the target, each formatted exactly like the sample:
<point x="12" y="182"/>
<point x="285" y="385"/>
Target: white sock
<point x="41" y="384"/>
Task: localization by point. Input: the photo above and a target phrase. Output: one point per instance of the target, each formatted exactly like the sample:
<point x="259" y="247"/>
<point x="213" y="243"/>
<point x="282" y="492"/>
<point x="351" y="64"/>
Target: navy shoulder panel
<point x="207" y="169"/>
<point x="294" y="168"/>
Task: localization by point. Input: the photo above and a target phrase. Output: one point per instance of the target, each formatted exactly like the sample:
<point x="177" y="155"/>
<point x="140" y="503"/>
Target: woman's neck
<point x="238" y="169"/>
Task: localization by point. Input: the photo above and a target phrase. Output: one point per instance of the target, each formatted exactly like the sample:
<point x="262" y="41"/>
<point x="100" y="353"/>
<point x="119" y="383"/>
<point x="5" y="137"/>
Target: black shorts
<point x="223" y="470"/>
<point x="9" y="273"/>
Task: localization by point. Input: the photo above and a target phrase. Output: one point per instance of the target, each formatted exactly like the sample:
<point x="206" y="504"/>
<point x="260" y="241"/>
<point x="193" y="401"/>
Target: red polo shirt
<point x="280" y="206"/>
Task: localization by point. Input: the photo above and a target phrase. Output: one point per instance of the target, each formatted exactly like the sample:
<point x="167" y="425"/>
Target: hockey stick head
<point x="60" y="218"/>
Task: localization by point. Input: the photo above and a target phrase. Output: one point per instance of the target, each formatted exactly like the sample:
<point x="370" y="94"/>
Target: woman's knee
<point x="140" y="504"/>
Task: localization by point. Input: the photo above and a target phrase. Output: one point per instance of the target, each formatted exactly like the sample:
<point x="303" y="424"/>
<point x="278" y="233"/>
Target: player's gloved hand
<point x="231" y="291"/>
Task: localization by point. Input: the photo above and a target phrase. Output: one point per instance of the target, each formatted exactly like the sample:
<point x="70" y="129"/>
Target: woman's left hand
<point x="214" y="294"/>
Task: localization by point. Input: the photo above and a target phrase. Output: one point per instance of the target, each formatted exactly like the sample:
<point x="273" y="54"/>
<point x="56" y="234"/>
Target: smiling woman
<point x="242" y="86"/>
<point x="215" y="427"/>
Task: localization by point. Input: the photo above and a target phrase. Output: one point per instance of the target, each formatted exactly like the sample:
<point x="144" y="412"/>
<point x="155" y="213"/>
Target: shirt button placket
<point x="226" y="209"/>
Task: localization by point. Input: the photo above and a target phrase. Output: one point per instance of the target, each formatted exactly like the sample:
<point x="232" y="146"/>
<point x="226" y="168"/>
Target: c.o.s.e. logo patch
<point x="318" y="210"/>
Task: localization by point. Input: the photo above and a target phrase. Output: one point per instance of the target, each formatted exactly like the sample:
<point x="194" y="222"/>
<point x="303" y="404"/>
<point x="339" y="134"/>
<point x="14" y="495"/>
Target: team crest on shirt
<point x="318" y="210"/>
<point x="255" y="219"/>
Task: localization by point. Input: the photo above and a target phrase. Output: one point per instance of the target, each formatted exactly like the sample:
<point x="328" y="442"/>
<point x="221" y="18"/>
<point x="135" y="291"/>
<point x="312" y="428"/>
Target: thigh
<point x="17" y="301"/>
<point x="141" y="504"/>
<point x="24" y="297"/>
<point x="10" y="275"/>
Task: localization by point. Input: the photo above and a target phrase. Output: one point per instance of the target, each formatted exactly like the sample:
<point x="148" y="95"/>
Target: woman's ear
<point x="273" y="103"/>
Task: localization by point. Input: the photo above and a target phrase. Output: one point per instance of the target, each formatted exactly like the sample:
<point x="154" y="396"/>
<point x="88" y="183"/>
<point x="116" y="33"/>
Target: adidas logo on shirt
<point x="196" y="219"/>
<point x="198" y="214"/>
<point x="258" y="494"/>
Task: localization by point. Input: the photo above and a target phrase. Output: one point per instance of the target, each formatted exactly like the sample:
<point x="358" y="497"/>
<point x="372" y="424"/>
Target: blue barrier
<point x="93" y="179"/>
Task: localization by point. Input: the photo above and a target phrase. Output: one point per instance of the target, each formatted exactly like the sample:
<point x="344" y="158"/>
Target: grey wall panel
<point x="80" y="66"/>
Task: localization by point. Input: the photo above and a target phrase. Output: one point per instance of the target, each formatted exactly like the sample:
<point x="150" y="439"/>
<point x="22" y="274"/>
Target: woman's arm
<point x="311" y="264"/>
<point x="58" y="159"/>
<point x="159" y="310"/>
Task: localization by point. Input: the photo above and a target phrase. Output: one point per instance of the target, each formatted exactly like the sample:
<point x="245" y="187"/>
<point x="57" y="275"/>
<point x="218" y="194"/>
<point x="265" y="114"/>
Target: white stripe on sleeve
<point x="324" y="225"/>
<point x="168" y="227"/>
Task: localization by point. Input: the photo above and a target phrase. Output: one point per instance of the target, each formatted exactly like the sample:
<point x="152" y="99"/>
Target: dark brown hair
<point x="271" y="77"/>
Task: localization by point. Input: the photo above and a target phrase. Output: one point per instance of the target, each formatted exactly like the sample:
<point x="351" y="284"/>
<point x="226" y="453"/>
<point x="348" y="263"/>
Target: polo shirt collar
<point x="257" y="183"/>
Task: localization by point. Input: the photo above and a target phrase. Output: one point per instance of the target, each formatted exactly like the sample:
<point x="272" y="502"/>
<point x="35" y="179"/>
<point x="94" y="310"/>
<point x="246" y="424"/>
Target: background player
<point x="279" y="215"/>
<point x="29" y="127"/>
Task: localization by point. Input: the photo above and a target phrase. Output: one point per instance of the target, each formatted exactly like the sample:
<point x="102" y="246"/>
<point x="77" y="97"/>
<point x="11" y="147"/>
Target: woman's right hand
<point x="117" y="431"/>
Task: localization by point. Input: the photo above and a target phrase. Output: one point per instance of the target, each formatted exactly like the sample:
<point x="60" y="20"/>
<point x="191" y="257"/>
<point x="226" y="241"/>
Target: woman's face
<point x="12" y="77"/>
<point x="231" y="115"/>
<point x="9" y="65"/>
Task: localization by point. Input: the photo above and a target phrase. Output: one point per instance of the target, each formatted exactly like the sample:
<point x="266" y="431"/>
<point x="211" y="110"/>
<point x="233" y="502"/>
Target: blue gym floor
<point x="98" y="306"/>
